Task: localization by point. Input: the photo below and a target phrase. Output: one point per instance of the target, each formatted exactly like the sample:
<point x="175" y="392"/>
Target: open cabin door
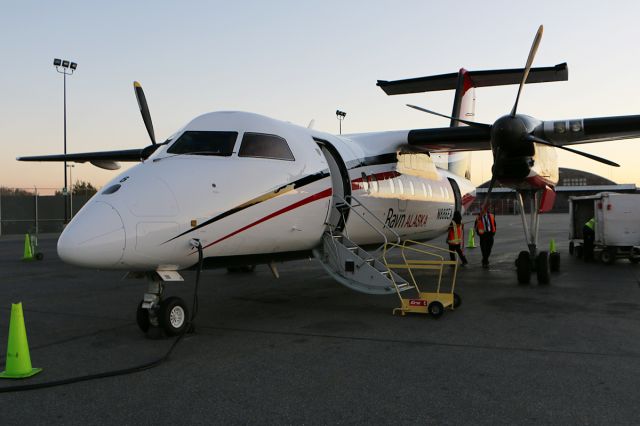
<point x="340" y="184"/>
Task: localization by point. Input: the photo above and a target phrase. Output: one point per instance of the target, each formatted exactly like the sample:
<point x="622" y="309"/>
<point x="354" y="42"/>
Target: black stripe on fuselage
<point x="296" y="184"/>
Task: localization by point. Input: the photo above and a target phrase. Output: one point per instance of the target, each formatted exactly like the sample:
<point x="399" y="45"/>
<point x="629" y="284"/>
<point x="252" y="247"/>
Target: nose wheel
<point x="156" y="315"/>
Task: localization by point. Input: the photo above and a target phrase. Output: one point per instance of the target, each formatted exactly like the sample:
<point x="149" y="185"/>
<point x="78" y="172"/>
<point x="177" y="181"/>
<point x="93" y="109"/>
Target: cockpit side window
<point x="260" y="145"/>
<point x="204" y="143"/>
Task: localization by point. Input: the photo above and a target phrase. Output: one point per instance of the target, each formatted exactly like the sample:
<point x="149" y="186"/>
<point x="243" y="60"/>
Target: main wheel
<point x="457" y="301"/>
<point x="608" y="255"/>
<point x="173" y="315"/>
<point x="436" y="309"/>
<point x="142" y="318"/>
<point x="523" y="267"/>
<point x="554" y="261"/>
<point x="543" y="271"/>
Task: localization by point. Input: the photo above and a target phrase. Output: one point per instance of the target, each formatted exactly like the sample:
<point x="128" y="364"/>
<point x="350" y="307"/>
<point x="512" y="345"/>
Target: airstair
<point x="353" y="266"/>
<point x="372" y="272"/>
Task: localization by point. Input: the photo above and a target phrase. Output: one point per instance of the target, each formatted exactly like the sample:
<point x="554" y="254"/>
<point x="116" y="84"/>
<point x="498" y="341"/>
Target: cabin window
<point x="392" y="187"/>
<point x="424" y="190"/>
<point x="259" y="145"/>
<point x="204" y="143"/>
<point x="400" y="186"/>
<point x="411" y="188"/>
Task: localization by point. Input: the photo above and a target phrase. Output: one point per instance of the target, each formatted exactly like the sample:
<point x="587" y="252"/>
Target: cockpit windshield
<point x="204" y="143"/>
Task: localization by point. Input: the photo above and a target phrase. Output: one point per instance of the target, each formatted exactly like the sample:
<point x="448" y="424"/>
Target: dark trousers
<point x="589" y="238"/>
<point x="458" y="249"/>
<point x="486" y="243"/>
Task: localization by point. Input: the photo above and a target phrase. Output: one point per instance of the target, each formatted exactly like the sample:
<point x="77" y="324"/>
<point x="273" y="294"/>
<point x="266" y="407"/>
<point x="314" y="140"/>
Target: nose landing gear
<point x="156" y="315"/>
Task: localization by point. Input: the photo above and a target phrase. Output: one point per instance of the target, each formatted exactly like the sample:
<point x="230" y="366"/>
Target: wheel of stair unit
<point x="436" y="309"/>
<point x="457" y="301"/>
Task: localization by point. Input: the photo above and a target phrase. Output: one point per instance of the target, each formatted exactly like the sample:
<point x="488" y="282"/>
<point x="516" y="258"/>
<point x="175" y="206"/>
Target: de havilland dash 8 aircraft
<point x="236" y="188"/>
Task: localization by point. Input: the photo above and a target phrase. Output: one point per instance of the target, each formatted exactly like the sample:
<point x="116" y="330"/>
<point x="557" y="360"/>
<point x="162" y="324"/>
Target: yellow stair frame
<point x="435" y="260"/>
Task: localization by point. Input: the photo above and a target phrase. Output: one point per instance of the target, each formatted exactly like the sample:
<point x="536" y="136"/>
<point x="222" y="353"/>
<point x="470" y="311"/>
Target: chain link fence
<point x="37" y="210"/>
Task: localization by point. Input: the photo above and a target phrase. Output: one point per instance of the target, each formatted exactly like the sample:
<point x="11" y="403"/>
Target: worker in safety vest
<point x="455" y="237"/>
<point x="486" y="229"/>
<point x="589" y="236"/>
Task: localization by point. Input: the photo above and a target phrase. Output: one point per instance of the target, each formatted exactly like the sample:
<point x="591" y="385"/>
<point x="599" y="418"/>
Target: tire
<point x="241" y="269"/>
<point x="608" y="255"/>
<point x="523" y="268"/>
<point x="436" y="309"/>
<point x="39" y="256"/>
<point x="248" y="268"/>
<point x="142" y="318"/>
<point x="457" y="301"/>
<point x="173" y="315"/>
<point x="571" y="248"/>
<point x="579" y="250"/>
<point x="543" y="270"/>
<point x="554" y="262"/>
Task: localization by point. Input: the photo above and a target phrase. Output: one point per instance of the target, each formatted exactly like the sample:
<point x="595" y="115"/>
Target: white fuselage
<point x="243" y="204"/>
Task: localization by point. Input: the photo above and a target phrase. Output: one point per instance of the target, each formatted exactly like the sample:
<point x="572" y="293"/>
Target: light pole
<point x="65" y="68"/>
<point x="71" y="166"/>
<point x="340" y="115"/>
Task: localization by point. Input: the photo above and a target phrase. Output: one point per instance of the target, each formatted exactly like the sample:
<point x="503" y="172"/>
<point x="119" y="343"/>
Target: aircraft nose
<point x="94" y="238"/>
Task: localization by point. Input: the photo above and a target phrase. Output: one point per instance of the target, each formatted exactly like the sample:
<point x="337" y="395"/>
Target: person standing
<point x="455" y="237"/>
<point x="486" y="229"/>
<point x="589" y="235"/>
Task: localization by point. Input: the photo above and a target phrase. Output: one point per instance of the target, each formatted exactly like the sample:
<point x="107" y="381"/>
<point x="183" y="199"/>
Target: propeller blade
<point x="468" y="123"/>
<point x="492" y="182"/>
<point x="527" y="68"/>
<point x="575" y="151"/>
<point x="144" y="110"/>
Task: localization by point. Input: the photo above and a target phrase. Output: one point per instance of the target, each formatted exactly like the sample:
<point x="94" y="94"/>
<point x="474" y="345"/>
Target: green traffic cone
<point x="552" y="246"/>
<point x="471" y="242"/>
<point x="28" y="250"/>
<point x="18" y="359"/>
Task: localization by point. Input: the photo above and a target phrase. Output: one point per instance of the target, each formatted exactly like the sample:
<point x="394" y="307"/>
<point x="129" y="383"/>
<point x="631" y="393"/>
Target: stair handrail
<point x="361" y="216"/>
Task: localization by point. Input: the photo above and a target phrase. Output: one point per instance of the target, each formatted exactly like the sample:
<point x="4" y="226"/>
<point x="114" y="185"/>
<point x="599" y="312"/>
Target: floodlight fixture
<point x="65" y="64"/>
<point x="57" y="62"/>
<point x="340" y="114"/>
<point x="73" y="65"/>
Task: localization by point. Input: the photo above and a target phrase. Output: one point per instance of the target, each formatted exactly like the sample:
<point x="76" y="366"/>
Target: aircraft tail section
<point x="464" y="107"/>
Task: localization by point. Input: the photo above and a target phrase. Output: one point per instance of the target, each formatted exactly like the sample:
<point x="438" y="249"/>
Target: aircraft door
<point x="340" y="184"/>
<point x="456" y="194"/>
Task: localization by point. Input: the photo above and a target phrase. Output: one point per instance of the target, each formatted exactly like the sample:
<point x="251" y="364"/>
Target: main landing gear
<point x="156" y="315"/>
<point x="528" y="262"/>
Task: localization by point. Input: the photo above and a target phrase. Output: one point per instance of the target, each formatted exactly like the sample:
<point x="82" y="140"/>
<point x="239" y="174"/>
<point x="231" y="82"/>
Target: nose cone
<point x="95" y="238"/>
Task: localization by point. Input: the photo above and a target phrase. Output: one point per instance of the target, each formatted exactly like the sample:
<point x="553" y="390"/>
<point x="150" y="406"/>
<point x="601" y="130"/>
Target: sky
<point x="297" y="61"/>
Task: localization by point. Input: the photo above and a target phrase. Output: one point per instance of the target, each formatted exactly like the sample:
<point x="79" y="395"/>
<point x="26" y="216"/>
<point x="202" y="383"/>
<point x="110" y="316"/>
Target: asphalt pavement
<point x="304" y="350"/>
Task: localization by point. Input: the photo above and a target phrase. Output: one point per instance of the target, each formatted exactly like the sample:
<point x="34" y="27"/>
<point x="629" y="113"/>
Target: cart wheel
<point x="523" y="267"/>
<point x="436" y="309"/>
<point x="608" y="255"/>
<point x="579" y="251"/>
<point x="554" y="262"/>
<point x="571" y="247"/>
<point x="457" y="301"/>
<point x="543" y="271"/>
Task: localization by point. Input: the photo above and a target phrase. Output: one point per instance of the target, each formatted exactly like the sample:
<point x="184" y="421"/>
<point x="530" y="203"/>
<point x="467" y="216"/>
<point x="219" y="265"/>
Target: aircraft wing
<point x="450" y="139"/>
<point x="587" y="130"/>
<point x="104" y="159"/>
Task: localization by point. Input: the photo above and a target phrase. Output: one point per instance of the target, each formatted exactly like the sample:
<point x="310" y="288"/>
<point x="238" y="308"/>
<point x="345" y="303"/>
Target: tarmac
<point x="304" y="350"/>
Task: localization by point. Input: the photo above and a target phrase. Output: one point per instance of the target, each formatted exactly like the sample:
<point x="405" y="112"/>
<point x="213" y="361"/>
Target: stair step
<point x="370" y="261"/>
<point x="354" y="249"/>
<point x="404" y="286"/>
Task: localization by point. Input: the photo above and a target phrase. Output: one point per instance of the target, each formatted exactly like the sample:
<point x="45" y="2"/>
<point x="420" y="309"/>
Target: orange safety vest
<point x="487" y="219"/>
<point x="456" y="232"/>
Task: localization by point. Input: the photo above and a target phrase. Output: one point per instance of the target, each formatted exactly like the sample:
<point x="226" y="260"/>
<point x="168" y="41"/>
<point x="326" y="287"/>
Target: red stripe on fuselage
<point x="320" y="195"/>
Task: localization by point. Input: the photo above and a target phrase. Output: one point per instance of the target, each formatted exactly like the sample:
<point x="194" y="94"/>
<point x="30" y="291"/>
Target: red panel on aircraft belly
<point x="548" y="198"/>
